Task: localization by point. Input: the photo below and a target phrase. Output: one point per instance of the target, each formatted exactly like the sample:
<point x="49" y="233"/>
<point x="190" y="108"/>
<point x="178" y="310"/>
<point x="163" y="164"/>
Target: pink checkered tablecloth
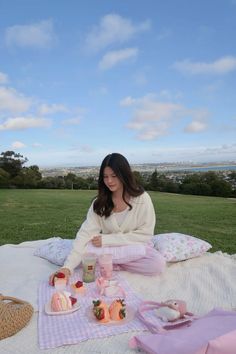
<point x="55" y="331"/>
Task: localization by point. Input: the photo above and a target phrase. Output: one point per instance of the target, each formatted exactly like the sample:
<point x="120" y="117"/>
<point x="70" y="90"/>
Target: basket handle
<point x="14" y="299"/>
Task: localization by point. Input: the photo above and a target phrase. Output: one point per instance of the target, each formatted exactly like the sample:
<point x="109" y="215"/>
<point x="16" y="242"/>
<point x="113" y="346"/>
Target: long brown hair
<point x="103" y="204"/>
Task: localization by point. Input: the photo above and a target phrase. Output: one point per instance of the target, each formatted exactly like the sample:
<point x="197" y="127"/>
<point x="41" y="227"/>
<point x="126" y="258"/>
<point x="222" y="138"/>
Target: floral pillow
<point x="55" y="251"/>
<point x="178" y="247"/>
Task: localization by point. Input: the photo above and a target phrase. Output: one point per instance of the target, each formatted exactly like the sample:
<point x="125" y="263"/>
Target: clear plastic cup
<point x="89" y="266"/>
<point x="105" y="264"/>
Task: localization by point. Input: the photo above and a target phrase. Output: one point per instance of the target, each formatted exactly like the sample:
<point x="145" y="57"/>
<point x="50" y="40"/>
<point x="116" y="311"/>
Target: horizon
<point x="178" y="163"/>
<point x="153" y="80"/>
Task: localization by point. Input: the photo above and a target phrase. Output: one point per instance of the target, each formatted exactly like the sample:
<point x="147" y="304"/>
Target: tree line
<point x="13" y="174"/>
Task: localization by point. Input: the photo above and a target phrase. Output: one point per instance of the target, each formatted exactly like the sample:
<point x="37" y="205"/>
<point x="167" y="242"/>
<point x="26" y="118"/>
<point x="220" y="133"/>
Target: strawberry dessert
<point x="59" y="281"/>
<point x="62" y="301"/>
<point x="117" y="310"/>
<point x="100" y="311"/>
<point x="78" y="288"/>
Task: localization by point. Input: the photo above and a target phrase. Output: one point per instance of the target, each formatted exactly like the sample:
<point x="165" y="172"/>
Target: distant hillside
<point x="146" y="167"/>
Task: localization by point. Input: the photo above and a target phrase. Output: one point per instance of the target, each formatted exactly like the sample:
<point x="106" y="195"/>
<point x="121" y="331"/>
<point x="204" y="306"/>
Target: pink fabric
<point x="152" y="263"/>
<point x="54" y="331"/>
<point x="214" y="333"/>
<point x="222" y="345"/>
<point x="154" y="323"/>
<point x="120" y="254"/>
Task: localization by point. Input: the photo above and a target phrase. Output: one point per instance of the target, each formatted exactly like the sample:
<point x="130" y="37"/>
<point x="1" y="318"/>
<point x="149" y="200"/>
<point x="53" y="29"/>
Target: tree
<point x="12" y="162"/>
<point x="138" y="177"/>
<point x="154" y="181"/>
<point x="4" y="178"/>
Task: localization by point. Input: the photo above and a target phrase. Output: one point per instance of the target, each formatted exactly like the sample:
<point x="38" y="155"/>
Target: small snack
<point x="101" y="284"/>
<point x="62" y="301"/>
<point x="100" y="311"/>
<point x="59" y="281"/>
<point x="117" y="310"/>
<point x="109" y="288"/>
<point x="78" y="288"/>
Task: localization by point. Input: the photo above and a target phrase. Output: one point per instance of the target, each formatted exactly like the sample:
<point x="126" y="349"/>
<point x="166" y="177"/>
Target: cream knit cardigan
<point x="137" y="227"/>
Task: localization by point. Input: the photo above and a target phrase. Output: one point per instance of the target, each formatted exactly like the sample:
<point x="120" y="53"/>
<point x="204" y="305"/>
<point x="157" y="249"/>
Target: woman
<point x="122" y="214"/>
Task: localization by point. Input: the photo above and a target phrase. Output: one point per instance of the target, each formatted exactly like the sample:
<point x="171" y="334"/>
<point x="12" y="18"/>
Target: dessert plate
<point x="130" y="314"/>
<point x="49" y="311"/>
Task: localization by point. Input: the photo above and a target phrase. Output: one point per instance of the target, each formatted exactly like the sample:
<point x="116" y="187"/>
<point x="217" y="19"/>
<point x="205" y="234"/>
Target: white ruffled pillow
<point x="178" y="247"/>
<point x="57" y="250"/>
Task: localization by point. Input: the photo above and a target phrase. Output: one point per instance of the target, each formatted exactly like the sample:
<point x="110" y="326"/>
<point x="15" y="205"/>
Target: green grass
<point x="40" y="214"/>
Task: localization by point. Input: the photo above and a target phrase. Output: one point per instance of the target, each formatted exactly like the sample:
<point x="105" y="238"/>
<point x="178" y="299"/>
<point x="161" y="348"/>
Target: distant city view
<point x="85" y="171"/>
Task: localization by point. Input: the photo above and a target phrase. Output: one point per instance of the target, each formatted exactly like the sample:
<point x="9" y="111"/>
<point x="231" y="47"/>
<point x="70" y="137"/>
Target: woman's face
<point x="111" y="180"/>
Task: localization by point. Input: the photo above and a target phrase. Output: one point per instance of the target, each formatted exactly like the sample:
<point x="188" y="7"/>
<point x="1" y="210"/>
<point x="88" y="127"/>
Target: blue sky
<point x="154" y="80"/>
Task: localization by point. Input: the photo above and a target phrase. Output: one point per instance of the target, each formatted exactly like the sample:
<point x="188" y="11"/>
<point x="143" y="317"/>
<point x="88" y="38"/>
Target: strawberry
<point x="60" y="275"/>
<point x="122" y="313"/>
<point x="99" y="313"/>
<point x="96" y="303"/>
<point x="73" y="300"/>
<point x="79" y="284"/>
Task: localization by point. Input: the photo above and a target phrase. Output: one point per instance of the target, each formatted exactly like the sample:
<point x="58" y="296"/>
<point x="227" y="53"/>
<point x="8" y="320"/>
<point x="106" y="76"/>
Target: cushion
<point x="178" y="247"/>
<point x="55" y="251"/>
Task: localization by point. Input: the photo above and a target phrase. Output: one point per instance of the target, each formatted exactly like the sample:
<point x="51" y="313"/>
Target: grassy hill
<point x="40" y="214"/>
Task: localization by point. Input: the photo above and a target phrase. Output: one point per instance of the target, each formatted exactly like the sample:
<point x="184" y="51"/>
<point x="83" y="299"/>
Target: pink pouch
<point x="214" y="333"/>
<point x="156" y="327"/>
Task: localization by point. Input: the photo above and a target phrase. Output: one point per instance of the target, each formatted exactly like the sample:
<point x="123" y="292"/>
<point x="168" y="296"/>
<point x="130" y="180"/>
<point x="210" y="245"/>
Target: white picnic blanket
<point x="204" y="282"/>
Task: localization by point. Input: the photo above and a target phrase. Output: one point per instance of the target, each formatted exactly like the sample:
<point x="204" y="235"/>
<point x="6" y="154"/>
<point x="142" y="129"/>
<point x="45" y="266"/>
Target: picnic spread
<point x="203" y="283"/>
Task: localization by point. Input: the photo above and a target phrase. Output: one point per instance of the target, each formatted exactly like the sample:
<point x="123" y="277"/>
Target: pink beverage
<point x="105" y="263"/>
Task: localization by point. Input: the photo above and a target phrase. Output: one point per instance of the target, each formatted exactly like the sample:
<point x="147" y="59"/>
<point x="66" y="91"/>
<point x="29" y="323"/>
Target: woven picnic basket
<point x="14" y="315"/>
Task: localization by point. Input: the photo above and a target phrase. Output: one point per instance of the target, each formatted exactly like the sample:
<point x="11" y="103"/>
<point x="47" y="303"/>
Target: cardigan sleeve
<point x="140" y="228"/>
<point x="90" y="227"/>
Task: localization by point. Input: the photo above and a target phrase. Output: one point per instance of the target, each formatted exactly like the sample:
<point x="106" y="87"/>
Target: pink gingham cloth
<point x="55" y="331"/>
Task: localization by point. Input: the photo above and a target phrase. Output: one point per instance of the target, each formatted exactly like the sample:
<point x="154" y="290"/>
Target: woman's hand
<point x="65" y="271"/>
<point x="97" y="241"/>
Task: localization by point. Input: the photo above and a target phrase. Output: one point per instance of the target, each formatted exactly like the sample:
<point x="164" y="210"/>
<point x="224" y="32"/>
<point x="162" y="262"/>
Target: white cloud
<point x="13" y="101"/>
<point x="3" y="78"/>
<point x="127" y="101"/>
<point x="18" y="145"/>
<point x="156" y="111"/>
<point x="38" y="35"/>
<point x="87" y="149"/>
<point x="72" y="121"/>
<point x="225" y="149"/>
<point x="140" y="78"/>
<point x="22" y="123"/>
<point x="113" y="58"/>
<point x="164" y="33"/>
<point x="153" y="118"/>
<point x="51" y="109"/>
<point x="221" y="66"/>
<point x="36" y="145"/>
<point x="151" y="132"/>
<point x="113" y="29"/>
<point x="195" y="127"/>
